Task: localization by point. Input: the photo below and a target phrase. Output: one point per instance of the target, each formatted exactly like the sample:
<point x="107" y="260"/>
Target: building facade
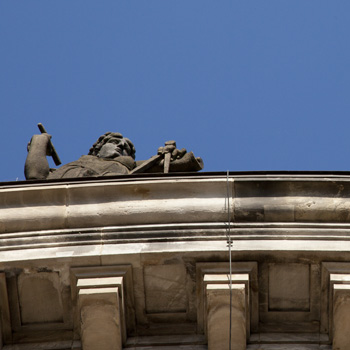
<point x="143" y="262"/>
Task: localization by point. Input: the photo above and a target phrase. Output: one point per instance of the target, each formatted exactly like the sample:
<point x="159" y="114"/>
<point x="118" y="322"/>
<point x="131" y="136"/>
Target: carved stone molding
<point x="114" y="282"/>
<point x="101" y="318"/>
<point x="341" y="315"/>
<point x="243" y="273"/>
<point x="333" y="273"/>
<point x="225" y="303"/>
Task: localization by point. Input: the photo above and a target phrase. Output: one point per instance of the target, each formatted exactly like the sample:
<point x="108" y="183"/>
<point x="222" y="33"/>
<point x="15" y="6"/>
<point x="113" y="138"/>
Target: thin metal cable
<point x="229" y="242"/>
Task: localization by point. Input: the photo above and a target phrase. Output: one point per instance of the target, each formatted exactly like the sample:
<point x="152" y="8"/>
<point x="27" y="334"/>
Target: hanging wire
<point x="229" y="243"/>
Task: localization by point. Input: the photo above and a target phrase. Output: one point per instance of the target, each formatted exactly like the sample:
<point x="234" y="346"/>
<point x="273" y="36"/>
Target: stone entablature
<point x="299" y="204"/>
<point x="90" y="204"/>
<point x="148" y="257"/>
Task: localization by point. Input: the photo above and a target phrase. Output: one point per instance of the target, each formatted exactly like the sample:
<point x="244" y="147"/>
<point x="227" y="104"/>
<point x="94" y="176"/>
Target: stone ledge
<point x="156" y="233"/>
<point x="78" y="205"/>
<point x="65" y="345"/>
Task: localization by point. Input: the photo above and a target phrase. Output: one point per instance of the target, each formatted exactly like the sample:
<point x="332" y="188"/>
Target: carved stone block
<point x="100" y="319"/>
<point x="341" y="317"/>
<point x="218" y="316"/>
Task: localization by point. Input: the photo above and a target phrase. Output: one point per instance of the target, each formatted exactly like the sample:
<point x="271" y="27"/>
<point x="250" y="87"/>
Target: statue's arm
<point x="37" y="166"/>
<point x="180" y="161"/>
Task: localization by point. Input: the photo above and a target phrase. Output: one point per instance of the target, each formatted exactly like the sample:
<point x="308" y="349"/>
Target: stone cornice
<point x="299" y="206"/>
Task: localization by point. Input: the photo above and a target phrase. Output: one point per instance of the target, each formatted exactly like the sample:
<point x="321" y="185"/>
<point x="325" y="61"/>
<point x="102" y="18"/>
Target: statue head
<point x="112" y="145"/>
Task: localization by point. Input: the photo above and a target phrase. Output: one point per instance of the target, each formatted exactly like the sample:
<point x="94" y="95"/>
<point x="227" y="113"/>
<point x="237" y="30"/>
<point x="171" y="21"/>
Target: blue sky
<point x="246" y="85"/>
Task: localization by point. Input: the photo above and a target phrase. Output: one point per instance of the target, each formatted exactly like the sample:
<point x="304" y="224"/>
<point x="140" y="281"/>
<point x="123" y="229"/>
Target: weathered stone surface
<point x="40" y="298"/>
<point x="218" y="318"/>
<point x="55" y="345"/>
<point x="99" y="325"/>
<point x="288" y="347"/>
<point x="289" y="287"/>
<point x="234" y="280"/>
<point x="243" y="272"/>
<point x="98" y="283"/>
<point x="115" y="203"/>
<point x="260" y="200"/>
<point x="100" y="319"/>
<point x="333" y="273"/>
<point x="341" y="317"/>
<point x="167" y="233"/>
<point x="165" y="288"/>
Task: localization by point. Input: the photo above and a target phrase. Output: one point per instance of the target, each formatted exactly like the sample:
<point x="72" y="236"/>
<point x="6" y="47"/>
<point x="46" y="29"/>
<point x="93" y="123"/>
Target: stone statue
<point x="111" y="154"/>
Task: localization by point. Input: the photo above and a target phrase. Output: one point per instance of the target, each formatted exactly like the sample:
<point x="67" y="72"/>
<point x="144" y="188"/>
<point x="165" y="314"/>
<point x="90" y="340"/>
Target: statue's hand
<point x="178" y="153"/>
<point x="43" y="140"/>
<point x="170" y="159"/>
<point x="170" y="147"/>
<point x="37" y="166"/>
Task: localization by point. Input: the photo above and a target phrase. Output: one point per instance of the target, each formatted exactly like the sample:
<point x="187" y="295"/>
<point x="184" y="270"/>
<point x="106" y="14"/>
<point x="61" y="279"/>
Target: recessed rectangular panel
<point x="289" y="287"/>
<point x="165" y="288"/>
<point x="40" y="298"/>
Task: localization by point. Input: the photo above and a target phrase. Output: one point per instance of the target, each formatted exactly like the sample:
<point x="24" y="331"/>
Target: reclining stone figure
<point x="111" y="154"/>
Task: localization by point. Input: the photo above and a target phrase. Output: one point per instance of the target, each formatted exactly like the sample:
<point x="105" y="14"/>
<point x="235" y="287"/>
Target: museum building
<point x="190" y="261"/>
